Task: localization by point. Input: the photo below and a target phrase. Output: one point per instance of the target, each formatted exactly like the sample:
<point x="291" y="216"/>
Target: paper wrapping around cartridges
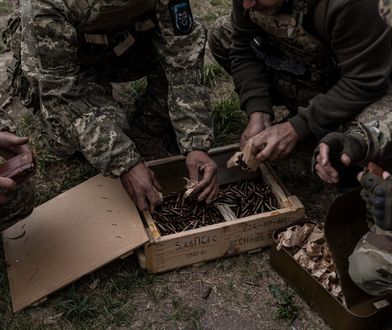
<point x="68" y="237"/>
<point x="245" y="158"/>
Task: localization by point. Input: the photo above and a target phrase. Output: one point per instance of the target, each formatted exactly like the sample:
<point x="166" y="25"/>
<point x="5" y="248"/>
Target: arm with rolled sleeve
<point x="181" y="57"/>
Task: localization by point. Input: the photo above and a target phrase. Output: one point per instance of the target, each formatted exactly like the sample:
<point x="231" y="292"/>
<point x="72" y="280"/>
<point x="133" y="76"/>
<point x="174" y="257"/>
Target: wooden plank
<point x="68" y="237"/>
<point x="226" y="212"/>
<point x="269" y="177"/>
<point x="153" y="231"/>
<point x="215" y="241"/>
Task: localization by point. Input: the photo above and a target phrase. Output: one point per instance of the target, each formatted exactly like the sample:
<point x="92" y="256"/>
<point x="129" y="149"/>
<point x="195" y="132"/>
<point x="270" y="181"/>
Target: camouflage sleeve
<point x="72" y="105"/>
<point x="374" y="124"/>
<point x="378" y="135"/>
<point x="180" y="45"/>
<point x="385" y="9"/>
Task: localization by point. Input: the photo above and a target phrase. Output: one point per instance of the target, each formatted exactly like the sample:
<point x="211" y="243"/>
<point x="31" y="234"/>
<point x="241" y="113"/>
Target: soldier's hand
<point x="274" y="142"/>
<point x="336" y="150"/>
<point x="203" y="170"/>
<point x="377" y="193"/>
<point x="258" y="121"/>
<point x="12" y="144"/>
<point x="142" y="186"/>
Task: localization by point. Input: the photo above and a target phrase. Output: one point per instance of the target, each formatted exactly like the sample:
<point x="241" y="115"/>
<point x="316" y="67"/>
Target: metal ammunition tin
<point x="366" y="313"/>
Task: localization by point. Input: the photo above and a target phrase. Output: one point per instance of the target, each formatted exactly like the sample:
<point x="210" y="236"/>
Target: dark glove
<point x="377" y="193"/>
<point x="353" y="145"/>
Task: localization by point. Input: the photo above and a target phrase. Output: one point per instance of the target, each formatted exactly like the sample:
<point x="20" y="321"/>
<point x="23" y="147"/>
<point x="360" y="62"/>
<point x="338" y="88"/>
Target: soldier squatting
<point x="319" y="58"/>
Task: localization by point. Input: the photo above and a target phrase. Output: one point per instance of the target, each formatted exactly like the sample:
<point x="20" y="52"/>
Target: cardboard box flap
<point x="70" y="236"/>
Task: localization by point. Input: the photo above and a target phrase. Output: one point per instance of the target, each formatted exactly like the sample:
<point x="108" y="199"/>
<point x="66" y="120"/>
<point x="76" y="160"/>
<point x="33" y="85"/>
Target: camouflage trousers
<point x="219" y="41"/>
<point x="370" y="265"/>
<point x="19" y="204"/>
<point x="146" y="121"/>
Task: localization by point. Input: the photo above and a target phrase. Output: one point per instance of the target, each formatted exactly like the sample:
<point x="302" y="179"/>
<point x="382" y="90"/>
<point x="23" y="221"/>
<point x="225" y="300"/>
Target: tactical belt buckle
<point x="98" y="39"/>
<point x="124" y="45"/>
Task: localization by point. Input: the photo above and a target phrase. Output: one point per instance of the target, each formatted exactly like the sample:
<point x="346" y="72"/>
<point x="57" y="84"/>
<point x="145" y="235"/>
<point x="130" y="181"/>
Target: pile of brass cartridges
<point x="309" y="248"/>
<point x="177" y="213"/>
<point x="248" y="197"/>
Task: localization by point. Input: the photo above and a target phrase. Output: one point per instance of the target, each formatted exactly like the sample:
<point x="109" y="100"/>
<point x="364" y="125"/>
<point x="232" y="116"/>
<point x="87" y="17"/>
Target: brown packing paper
<point x="68" y="237"/>
<point x="191" y="185"/>
<point x="245" y="158"/>
<point x="294" y="236"/>
<point x="309" y="248"/>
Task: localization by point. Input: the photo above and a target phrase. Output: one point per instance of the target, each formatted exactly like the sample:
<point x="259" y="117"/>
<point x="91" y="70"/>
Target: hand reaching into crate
<point x="203" y="172"/>
<point x="142" y="186"/>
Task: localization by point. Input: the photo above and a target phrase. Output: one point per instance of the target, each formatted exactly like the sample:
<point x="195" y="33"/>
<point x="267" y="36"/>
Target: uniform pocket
<point x="56" y="43"/>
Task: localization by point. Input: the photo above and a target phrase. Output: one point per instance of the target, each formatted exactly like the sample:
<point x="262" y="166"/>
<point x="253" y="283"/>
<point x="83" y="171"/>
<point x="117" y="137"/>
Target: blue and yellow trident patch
<point x="181" y="16"/>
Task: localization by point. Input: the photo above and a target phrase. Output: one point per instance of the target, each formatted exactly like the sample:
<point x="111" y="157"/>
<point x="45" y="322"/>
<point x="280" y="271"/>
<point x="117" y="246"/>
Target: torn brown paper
<point x="245" y="158"/>
<point x="309" y="248"/>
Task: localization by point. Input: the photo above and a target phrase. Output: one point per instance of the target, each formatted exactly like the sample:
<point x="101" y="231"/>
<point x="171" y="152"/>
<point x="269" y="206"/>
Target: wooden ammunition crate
<point x="95" y="223"/>
<point x="193" y="246"/>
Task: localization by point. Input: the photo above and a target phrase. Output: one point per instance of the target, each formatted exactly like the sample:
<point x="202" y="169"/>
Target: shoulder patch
<point x="181" y="16"/>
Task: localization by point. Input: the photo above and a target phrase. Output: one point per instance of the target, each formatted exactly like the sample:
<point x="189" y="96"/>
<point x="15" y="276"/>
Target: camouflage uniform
<point x="374" y="124"/>
<point x="20" y="201"/>
<point x="71" y="52"/>
<point x="371" y="262"/>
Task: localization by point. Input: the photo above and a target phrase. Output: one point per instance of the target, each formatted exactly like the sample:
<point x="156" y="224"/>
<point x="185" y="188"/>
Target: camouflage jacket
<point x="370" y="264"/>
<point x="378" y="136"/>
<point x="362" y="56"/>
<point x="51" y="31"/>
